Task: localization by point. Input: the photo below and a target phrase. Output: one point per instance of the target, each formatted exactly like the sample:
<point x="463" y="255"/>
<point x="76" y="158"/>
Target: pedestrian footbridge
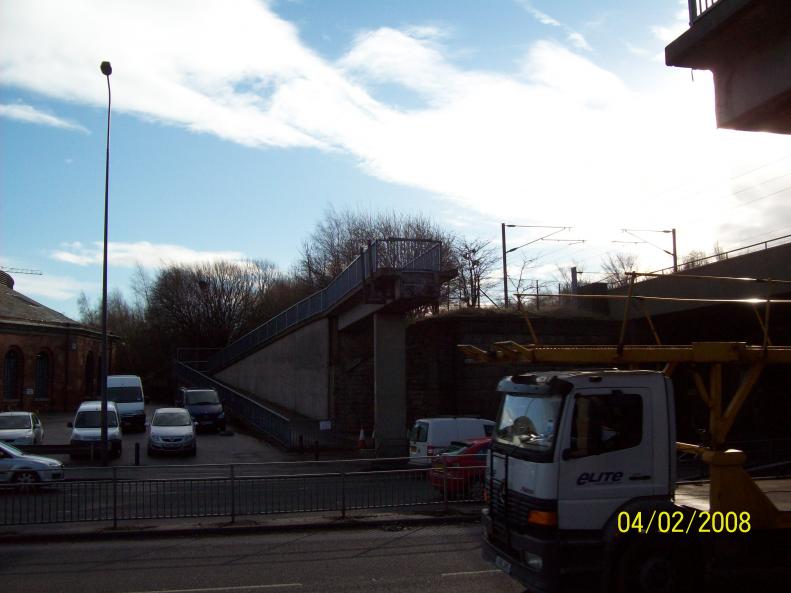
<point x="291" y="364"/>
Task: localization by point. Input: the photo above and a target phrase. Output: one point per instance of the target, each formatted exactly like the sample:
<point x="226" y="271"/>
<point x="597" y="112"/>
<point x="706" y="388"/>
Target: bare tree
<point x="211" y="304"/>
<point x="338" y="238"/>
<point x="618" y="267"/>
<point x="719" y="252"/>
<point x="693" y="259"/>
<point x="475" y="260"/>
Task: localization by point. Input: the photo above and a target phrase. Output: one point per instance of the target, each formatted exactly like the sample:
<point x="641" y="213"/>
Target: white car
<point x="173" y="431"/>
<point x="21" y="428"/>
<point x="26" y="470"/>
<point x="86" y="429"/>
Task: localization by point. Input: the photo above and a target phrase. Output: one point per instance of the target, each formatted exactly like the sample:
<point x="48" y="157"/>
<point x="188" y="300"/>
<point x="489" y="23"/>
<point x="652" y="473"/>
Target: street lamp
<point x="106" y="69"/>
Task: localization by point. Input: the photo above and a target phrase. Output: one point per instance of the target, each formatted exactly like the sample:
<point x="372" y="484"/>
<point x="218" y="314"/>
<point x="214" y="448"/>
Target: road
<point x="436" y="559"/>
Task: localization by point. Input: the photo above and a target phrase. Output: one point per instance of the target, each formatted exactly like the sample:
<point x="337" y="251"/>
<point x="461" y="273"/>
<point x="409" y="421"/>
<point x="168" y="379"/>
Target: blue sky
<point x="236" y="124"/>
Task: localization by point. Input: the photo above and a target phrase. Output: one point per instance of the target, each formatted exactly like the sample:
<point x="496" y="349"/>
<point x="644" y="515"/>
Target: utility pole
<point x="505" y="270"/>
<point x="675" y="253"/>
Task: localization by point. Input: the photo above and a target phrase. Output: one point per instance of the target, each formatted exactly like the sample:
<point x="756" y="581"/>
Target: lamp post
<point x="106" y="69"/>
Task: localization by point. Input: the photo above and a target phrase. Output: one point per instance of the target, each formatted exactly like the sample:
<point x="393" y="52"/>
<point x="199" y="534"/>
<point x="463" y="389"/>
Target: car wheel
<point x="26" y="481"/>
<point x="150" y="452"/>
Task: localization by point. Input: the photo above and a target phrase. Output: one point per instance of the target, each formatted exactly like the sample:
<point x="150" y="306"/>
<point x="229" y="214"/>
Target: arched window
<point x="89" y="374"/>
<point x="12" y="375"/>
<point x="43" y="375"/>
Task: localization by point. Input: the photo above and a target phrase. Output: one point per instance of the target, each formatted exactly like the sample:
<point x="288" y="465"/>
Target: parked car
<point x="21" y="428"/>
<point x="465" y="465"/>
<point x="172" y="430"/>
<point x="127" y="393"/>
<point x="86" y="429"/>
<point x="432" y="436"/>
<point x="26" y="470"/>
<point x="203" y="405"/>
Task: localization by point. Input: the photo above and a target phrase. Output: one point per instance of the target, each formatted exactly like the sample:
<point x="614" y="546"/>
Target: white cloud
<point x="31" y="115"/>
<point x="563" y="140"/>
<point x="574" y="37"/>
<point x="58" y="288"/>
<point x="143" y="253"/>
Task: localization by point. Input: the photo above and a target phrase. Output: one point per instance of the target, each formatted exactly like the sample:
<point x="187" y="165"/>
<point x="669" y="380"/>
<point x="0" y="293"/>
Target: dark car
<point x="461" y="468"/>
<point x="204" y="406"/>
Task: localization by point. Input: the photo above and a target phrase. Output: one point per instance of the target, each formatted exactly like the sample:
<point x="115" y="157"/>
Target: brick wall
<point x="67" y="382"/>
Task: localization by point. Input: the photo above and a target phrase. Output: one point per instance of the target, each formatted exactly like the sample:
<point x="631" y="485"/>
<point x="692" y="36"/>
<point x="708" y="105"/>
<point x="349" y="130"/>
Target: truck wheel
<point x="649" y="565"/>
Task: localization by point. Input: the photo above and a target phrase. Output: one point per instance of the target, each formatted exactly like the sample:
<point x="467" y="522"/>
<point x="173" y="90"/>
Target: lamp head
<point x="106" y="69"/>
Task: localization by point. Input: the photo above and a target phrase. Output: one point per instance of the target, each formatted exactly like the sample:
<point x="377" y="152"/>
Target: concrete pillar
<point x="390" y="384"/>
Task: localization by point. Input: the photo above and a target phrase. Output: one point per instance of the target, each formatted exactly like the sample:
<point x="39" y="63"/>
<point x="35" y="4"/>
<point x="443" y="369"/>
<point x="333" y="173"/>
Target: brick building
<point x="49" y="362"/>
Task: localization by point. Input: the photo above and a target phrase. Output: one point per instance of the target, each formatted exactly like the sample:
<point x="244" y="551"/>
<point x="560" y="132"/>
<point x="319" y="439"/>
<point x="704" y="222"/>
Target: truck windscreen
<point x="528" y="421"/>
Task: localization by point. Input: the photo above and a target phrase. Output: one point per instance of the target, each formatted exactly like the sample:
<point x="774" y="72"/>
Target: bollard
<point x="316" y="447"/>
<point x="301" y="443"/>
<point x="137" y="453"/>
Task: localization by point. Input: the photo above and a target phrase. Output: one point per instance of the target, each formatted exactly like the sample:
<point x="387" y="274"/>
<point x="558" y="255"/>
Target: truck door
<point x="606" y="455"/>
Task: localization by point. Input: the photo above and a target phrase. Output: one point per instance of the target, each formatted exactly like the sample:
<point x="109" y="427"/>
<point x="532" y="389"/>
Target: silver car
<point x="21" y="428"/>
<point x="172" y="431"/>
<point x="25" y="470"/>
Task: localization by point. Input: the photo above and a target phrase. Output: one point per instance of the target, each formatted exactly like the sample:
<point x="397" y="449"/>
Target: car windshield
<point x="124" y="395"/>
<point x="419" y="432"/>
<point x="15" y="421"/>
<point x="172" y="419"/>
<point x="528" y="421"/>
<point x="196" y="398"/>
<point x="93" y="419"/>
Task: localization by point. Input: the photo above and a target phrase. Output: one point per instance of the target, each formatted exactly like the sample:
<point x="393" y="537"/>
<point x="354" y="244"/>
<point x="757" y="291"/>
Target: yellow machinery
<point x="731" y="488"/>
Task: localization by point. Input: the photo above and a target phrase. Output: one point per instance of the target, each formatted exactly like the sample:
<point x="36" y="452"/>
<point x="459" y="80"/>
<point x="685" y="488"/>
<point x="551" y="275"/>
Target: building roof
<point x="16" y="308"/>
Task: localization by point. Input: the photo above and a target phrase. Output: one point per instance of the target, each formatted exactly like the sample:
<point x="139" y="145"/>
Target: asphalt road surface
<point x="435" y="559"/>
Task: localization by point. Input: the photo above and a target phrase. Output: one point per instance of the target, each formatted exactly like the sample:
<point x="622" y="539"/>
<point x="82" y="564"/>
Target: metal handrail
<point x="698" y="7"/>
<point x="392" y="254"/>
<point x="721" y="256"/>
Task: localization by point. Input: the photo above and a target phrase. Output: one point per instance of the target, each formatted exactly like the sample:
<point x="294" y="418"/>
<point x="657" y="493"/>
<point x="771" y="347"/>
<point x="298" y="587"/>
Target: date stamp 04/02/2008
<point x="679" y="522"/>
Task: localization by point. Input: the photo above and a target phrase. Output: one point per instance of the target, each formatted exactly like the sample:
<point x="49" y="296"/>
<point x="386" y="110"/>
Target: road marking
<point x="237" y="588"/>
<point x="460" y="574"/>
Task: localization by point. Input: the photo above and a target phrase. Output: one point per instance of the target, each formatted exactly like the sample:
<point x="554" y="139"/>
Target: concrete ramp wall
<point x="291" y="372"/>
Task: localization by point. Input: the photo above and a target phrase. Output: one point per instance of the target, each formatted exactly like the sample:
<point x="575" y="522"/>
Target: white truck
<point x="581" y="479"/>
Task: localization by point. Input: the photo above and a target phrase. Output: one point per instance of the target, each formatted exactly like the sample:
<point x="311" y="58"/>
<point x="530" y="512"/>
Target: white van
<point x="431" y="436"/>
<point x="86" y="429"/>
<point x="127" y="393"/>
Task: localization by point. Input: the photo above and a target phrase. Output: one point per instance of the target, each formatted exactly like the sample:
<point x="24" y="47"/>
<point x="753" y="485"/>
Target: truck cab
<point x="570" y="451"/>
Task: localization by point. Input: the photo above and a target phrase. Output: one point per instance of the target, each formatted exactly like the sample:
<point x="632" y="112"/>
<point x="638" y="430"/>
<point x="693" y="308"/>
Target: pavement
<point x="89" y="531"/>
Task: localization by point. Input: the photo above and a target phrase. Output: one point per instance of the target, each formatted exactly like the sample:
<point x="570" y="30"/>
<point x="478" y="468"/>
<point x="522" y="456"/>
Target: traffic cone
<point x="361" y="439"/>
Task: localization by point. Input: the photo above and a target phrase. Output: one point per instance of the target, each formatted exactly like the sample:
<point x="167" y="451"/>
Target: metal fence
<point x="178" y="492"/>
<point x="710" y="259"/>
<point x="698" y="7"/>
<point x="381" y="255"/>
<point x="252" y="412"/>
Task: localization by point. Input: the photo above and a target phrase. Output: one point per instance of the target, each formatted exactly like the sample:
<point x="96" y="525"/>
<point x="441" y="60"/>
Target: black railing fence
<point x="128" y="493"/>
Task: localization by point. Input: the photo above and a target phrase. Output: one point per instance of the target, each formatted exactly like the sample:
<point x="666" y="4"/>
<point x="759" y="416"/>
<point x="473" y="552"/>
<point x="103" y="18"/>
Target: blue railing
<point x="380" y="256"/>
<point x="698" y="7"/>
<point x="254" y="413"/>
